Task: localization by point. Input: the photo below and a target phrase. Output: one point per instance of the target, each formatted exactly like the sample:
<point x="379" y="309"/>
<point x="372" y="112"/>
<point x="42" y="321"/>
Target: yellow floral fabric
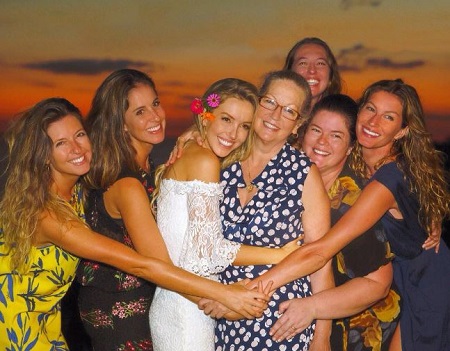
<point x="373" y="328"/>
<point x="30" y="311"/>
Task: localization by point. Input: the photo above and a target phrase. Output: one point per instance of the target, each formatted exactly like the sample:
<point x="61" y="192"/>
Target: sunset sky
<point x="66" y="48"/>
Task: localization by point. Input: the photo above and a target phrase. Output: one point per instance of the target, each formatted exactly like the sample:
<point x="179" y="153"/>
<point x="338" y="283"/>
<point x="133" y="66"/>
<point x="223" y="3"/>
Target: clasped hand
<point x="253" y="310"/>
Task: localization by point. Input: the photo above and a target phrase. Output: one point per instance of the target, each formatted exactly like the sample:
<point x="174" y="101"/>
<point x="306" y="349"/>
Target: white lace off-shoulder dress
<point x="188" y="217"/>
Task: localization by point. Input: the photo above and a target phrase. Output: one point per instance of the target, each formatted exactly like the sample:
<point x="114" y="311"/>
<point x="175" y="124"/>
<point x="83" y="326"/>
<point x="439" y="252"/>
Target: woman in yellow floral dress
<point x="43" y="233"/>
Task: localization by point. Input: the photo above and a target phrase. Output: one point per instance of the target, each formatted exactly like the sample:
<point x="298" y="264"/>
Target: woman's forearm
<point x="290" y="269"/>
<point x="348" y="299"/>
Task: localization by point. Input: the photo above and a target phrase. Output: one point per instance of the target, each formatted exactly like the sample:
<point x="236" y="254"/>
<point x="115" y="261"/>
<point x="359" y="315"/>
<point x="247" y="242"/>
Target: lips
<point x="154" y="129"/>
<point x="320" y="152"/>
<point x="224" y="142"/>
<point x="78" y="161"/>
<point x="312" y="82"/>
<point x="270" y="125"/>
<point x="370" y="133"/>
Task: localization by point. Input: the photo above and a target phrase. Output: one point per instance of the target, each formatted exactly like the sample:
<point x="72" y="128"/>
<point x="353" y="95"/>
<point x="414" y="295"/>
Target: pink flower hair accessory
<point x="204" y="109"/>
<point x="213" y="100"/>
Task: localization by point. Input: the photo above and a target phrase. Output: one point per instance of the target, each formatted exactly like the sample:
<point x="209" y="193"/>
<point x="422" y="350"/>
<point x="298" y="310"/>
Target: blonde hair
<point x="414" y="153"/>
<point x="225" y="89"/>
<point x="27" y="191"/>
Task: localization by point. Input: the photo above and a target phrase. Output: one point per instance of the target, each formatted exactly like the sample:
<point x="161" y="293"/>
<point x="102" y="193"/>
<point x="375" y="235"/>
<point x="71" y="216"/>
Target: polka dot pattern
<point x="271" y="219"/>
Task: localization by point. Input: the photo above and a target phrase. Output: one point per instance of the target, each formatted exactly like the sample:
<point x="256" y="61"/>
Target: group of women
<point x="273" y="166"/>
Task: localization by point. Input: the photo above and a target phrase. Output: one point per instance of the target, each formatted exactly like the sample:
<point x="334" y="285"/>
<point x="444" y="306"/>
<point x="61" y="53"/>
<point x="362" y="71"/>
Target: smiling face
<point x="71" y="149"/>
<point x="145" y="119"/>
<point x="327" y="141"/>
<point x="270" y="126"/>
<point x="230" y="126"/>
<point x="379" y="122"/>
<point x="310" y="61"/>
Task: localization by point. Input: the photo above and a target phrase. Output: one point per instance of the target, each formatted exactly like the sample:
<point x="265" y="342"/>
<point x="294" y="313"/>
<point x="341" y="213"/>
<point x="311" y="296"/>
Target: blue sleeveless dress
<point x="422" y="276"/>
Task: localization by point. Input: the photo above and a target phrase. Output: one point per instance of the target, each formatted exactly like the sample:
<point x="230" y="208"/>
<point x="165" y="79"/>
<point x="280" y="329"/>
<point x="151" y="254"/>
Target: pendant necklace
<point x="249" y="186"/>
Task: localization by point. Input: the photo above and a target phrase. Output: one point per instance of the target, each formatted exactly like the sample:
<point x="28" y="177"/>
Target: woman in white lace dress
<point x="188" y="195"/>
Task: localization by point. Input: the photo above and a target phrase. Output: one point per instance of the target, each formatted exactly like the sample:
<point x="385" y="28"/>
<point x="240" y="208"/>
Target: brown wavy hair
<point x="27" y="191"/>
<point x="414" y="153"/>
<point x="105" y="124"/>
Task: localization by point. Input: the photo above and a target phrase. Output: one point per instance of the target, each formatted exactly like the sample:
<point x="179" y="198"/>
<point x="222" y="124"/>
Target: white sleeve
<point x="205" y="251"/>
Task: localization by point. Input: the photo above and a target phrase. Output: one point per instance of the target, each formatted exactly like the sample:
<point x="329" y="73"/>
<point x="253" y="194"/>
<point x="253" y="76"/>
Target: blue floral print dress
<point x="272" y="218"/>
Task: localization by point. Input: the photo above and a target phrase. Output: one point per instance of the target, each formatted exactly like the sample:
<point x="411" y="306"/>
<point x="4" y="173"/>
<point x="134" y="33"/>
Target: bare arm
<point x="82" y="242"/>
<point x="348" y="299"/>
<point x="127" y="199"/>
<point x="371" y="205"/>
<point x="316" y="222"/>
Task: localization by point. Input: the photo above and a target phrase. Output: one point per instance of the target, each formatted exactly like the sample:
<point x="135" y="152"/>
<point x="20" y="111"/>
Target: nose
<point x="322" y="140"/>
<point x="276" y="114"/>
<point x="76" y="147"/>
<point x="311" y="68"/>
<point x="156" y="115"/>
<point x="373" y="120"/>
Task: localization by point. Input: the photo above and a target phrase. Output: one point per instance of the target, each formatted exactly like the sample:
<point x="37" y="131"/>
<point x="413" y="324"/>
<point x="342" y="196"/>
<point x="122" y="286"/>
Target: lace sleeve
<point x="205" y="251"/>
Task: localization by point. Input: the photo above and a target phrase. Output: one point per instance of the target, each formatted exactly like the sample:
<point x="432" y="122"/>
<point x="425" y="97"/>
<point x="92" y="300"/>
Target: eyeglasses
<point x="272" y="104"/>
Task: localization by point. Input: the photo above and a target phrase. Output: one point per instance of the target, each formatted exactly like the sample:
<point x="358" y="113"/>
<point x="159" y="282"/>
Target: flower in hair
<point x="207" y="115"/>
<point x="204" y="108"/>
<point x="213" y="100"/>
<point x="197" y="106"/>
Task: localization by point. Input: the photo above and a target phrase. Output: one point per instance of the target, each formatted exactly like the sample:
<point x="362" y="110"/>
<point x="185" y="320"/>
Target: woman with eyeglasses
<point x="271" y="197"/>
<point x="407" y="191"/>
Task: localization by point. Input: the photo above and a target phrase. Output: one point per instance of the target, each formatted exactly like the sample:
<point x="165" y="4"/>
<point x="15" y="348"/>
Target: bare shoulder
<point x="200" y="163"/>
<point x="126" y="184"/>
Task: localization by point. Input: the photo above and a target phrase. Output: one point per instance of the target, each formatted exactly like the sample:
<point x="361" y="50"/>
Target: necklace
<point x="250" y="186"/>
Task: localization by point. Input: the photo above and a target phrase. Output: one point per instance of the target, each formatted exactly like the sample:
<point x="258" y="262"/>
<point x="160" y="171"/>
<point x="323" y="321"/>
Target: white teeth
<point x="320" y="152"/>
<point x="367" y="131"/>
<point x="155" y="128"/>
<point x="312" y="81"/>
<point x="270" y="125"/>
<point x="77" y="160"/>
<point x="225" y="142"/>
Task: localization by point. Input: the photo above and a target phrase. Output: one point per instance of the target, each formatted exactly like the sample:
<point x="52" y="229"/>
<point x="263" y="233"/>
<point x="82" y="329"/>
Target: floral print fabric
<point x="114" y="305"/>
<point x="373" y="328"/>
<point x="30" y="305"/>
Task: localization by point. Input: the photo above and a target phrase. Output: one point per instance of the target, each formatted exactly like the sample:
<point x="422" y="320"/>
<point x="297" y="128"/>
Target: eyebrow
<point x="138" y="108"/>
<point x="65" y="138"/>
<point x="395" y="112"/>
<point x="331" y="131"/>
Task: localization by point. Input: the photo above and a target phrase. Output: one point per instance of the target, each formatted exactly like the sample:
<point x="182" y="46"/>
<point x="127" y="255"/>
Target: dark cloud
<point x="346" y="4"/>
<point x="355" y="49"/>
<point x="86" y="66"/>
<point x="349" y="68"/>
<point x="352" y="59"/>
<point x="385" y="62"/>
<point x="359" y="57"/>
